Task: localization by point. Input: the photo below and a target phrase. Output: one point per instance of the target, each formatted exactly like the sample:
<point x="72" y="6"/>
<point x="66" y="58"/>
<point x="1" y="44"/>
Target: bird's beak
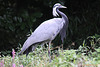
<point x="64" y="7"/>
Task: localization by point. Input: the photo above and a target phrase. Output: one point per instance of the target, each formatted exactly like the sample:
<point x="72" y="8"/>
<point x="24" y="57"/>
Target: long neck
<point x="64" y="17"/>
<point x="65" y="25"/>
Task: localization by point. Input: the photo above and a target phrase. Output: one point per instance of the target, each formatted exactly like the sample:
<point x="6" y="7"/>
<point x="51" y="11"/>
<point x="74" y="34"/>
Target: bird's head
<point x="55" y="7"/>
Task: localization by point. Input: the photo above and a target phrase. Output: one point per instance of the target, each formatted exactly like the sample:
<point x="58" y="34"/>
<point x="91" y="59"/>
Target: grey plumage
<point x="47" y="31"/>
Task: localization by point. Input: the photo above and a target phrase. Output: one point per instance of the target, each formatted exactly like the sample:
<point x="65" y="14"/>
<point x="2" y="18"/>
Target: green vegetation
<point x="85" y="55"/>
<point x="66" y="58"/>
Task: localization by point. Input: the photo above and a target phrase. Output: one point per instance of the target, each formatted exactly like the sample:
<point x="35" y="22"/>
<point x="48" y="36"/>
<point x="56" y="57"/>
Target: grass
<point x="65" y="58"/>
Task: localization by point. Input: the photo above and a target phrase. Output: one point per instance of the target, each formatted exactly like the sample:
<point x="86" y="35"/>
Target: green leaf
<point x="22" y="26"/>
<point x="20" y="19"/>
<point x="15" y="18"/>
<point x="34" y="19"/>
<point x="12" y="27"/>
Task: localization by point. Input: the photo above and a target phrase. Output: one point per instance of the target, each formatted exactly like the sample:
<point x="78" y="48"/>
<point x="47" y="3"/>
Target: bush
<point x="69" y="58"/>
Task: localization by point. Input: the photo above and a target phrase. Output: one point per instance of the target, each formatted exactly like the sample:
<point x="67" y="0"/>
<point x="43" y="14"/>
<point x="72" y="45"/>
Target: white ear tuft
<point x="55" y="12"/>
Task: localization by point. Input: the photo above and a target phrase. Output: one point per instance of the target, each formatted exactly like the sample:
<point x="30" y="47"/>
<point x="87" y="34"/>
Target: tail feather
<point x="28" y="50"/>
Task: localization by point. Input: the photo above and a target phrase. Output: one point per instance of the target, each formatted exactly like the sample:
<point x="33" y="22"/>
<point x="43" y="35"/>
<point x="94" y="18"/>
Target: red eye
<point x="59" y="5"/>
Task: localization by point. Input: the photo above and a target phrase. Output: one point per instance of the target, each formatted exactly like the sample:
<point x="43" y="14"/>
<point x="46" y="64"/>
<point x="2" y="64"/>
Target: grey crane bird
<point x="47" y="31"/>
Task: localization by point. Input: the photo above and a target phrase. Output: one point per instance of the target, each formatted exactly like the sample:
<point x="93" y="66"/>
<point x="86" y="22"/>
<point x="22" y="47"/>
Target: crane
<point x="47" y="31"/>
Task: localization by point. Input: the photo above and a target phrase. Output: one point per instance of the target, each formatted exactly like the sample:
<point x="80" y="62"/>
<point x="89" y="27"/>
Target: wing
<point x="63" y="30"/>
<point x="47" y="31"/>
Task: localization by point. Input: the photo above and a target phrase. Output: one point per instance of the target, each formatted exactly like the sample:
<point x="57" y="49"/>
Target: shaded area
<point x="19" y="17"/>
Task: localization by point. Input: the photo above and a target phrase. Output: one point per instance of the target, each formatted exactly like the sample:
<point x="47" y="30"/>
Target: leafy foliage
<point x="83" y="56"/>
<point x="69" y="58"/>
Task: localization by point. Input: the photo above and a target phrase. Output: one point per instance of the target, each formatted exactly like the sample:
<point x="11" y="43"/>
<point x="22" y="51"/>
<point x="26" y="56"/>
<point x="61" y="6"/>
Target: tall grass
<point x="65" y="58"/>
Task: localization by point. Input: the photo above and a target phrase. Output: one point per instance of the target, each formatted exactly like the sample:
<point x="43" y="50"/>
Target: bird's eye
<point x="59" y="5"/>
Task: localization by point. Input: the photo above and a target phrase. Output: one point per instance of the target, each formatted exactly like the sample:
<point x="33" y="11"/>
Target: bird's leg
<point x="34" y="47"/>
<point x="62" y="47"/>
<point x="49" y="52"/>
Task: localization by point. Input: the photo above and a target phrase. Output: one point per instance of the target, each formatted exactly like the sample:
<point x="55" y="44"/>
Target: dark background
<point x="19" y="17"/>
